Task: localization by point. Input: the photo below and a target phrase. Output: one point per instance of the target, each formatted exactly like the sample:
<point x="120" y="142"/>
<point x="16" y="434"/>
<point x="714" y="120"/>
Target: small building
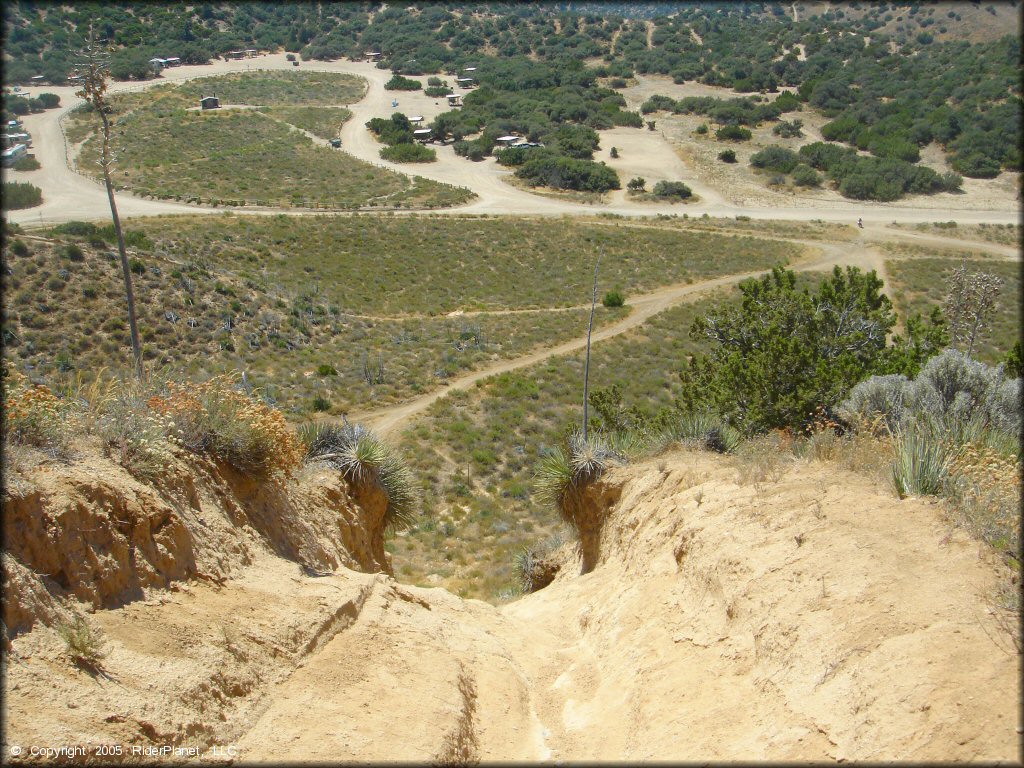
<point x="250" y="53"/>
<point x="372" y="55"/>
<point x="12" y="155"/>
<point x="234" y="55"/>
<point x="173" y="61"/>
<point x="454" y="99"/>
<point x="209" y="102"/>
<point x="509" y="140"/>
<point x="38" y="79"/>
<point x="466" y="82"/>
<point x="416" y="119"/>
<point x="469" y="69"/>
<point x="156" y="63"/>
<point x="422" y="134"/>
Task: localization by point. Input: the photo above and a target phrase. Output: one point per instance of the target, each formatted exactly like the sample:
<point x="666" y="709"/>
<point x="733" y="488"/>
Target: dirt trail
<point x="386" y="420"/>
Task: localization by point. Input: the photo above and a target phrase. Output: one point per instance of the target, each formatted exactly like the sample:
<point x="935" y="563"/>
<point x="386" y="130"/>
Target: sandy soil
<point x="68" y="195"/>
<point x="804" y="615"/>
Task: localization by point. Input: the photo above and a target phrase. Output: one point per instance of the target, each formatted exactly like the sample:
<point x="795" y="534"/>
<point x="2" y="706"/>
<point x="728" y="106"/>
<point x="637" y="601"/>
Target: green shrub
<point x="613" y="299"/>
<point x="785" y="352"/>
<point x="326" y="370"/>
<point x="399" y="83"/>
<point x="320" y="404"/>
<point x="775" y="159"/>
<point x="408" y="153"/>
<point x="137" y="267"/>
<point x="26" y="163"/>
<point x="364" y="459"/>
<point x="727" y="156"/>
<point x="84" y="644"/>
<point x="733" y="133"/>
<point x="21" y="194"/>
<point x="568" y="173"/>
<point x="789" y="130"/>
<point x="805" y="176"/>
<point x="73" y="252"/>
<point x="18" y="248"/>
<point x="675" y="189"/>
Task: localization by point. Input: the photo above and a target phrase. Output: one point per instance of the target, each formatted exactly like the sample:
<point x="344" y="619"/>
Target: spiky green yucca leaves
<point x="364" y="459"/>
<point x="922" y="460"/>
<point x="705" y="430"/>
<point x="564" y="472"/>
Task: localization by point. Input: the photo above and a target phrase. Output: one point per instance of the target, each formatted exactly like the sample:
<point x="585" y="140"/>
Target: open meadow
<point x="254" y="150"/>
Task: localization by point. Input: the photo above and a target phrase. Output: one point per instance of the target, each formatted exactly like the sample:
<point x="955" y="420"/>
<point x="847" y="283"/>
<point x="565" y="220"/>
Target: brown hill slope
<point x="799" y="613"/>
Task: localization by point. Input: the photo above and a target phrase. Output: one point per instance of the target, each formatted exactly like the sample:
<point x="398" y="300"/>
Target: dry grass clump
<point x="34" y="416"/>
<point x="217" y="418"/>
<point x="984" y="488"/>
<point x="141" y="424"/>
<point x="461" y="746"/>
<point x="536" y="567"/>
<point x="762" y="459"/>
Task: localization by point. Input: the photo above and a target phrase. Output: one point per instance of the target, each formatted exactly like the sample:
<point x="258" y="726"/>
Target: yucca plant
<point x="364" y="459"/>
<point x="922" y="460"/>
<point x="565" y="472"/>
<point x="705" y="430"/>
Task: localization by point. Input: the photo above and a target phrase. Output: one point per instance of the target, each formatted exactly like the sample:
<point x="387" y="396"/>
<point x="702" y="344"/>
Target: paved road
<point x="68" y="195"/>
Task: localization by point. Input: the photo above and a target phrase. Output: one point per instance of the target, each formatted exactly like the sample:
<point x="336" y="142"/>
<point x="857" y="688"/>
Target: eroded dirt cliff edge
<point x="809" y="616"/>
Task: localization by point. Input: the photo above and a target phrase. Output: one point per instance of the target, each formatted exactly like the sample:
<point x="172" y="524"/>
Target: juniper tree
<point x="785" y="352"/>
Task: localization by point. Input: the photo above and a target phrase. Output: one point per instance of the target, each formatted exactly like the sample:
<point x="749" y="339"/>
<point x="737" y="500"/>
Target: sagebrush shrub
<point x="877" y="396"/>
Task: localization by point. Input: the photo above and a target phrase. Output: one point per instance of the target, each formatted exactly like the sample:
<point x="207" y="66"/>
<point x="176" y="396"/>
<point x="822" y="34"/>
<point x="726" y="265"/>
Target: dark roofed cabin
<point x="209" y="102"/>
